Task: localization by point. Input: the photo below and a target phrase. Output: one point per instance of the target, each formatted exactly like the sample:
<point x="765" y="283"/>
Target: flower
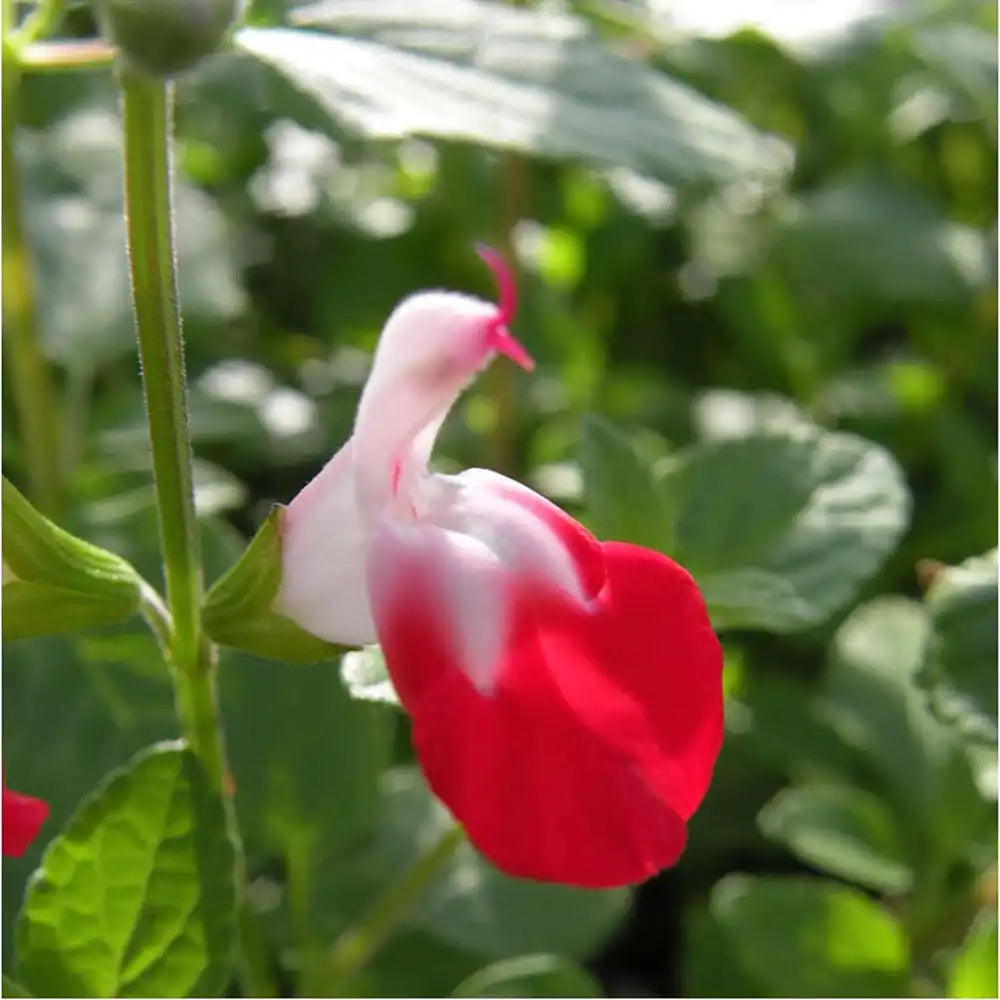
<point x="565" y="693"/>
<point x="23" y="817"/>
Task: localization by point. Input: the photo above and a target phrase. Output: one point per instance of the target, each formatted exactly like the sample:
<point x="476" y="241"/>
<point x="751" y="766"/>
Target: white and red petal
<point x="543" y="789"/>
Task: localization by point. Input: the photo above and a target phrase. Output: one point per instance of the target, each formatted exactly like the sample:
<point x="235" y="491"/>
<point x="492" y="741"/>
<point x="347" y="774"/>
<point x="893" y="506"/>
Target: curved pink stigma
<point x="503" y="341"/>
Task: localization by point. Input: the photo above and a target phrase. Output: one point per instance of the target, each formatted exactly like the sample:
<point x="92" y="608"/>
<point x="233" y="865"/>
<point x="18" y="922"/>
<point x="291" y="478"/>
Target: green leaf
<point x="803" y="937"/>
<point x="842" y="830"/>
<point x="870" y="238"/>
<point x="110" y="694"/>
<point x="55" y="582"/>
<point x="364" y="673"/>
<point x="538" y="83"/>
<point x="871" y="698"/>
<point x="530" y="976"/>
<point x="961" y="662"/>
<point x="781" y="528"/>
<point x="711" y="966"/>
<point x="137" y="896"/>
<point x="238" y="609"/>
<point x="623" y="499"/>
<point x="475" y="906"/>
<point x="973" y="971"/>
<point x="305" y="756"/>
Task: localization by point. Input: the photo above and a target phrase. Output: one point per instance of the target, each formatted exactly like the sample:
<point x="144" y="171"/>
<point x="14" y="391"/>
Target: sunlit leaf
<point x="137" y="895"/>
<point x="537" y="82"/>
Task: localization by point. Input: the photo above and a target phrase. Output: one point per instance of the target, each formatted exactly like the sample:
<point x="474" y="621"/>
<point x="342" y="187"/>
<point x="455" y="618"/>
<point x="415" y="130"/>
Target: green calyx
<point x="239" y="608"/>
<point x="56" y="582"/>
<point x="162" y="38"/>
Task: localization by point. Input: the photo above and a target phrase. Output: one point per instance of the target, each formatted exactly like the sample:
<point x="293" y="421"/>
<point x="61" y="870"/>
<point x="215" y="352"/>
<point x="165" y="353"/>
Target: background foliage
<point x="758" y="273"/>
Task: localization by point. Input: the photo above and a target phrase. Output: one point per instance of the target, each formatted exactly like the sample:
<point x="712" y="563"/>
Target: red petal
<point x="600" y="736"/>
<point x="23" y="817"/>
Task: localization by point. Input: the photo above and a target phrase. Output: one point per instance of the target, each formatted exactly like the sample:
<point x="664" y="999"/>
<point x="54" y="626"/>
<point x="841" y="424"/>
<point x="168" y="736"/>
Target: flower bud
<point x="166" y="37"/>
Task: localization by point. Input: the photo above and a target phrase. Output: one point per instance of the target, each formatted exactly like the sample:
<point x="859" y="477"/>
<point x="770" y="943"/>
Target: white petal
<point x="512" y="521"/>
<point x="323" y="558"/>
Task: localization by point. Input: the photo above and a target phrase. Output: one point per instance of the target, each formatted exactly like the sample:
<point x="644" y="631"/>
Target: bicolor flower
<point x="23" y="817"/>
<point x="565" y="693"/>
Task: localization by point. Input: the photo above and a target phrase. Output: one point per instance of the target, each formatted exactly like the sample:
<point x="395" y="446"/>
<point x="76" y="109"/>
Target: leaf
<point x="55" y="582"/>
<point x="961" y="660"/>
<point x="475" y="906"/>
<point x="781" y="528"/>
<point x="238" y="609"/>
<point x="529" y="976"/>
<point x="711" y="967"/>
<point x="537" y="83"/>
<point x="305" y="756"/>
<point x="59" y="696"/>
<point x="137" y="896"/>
<point x="366" y="677"/>
<point x="842" y="830"/>
<point x="870" y="238"/>
<point x="802" y="937"/>
<point x="973" y="971"/>
<point x="871" y="698"/>
<point x="623" y="499"/>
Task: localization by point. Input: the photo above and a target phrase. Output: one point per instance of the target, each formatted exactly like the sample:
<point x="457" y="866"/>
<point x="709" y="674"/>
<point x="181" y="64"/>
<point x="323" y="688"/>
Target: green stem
<point x="41" y="22"/>
<point x="30" y="378"/>
<point x="147" y="107"/>
<point x="147" y="125"/>
<point x="353" y="949"/>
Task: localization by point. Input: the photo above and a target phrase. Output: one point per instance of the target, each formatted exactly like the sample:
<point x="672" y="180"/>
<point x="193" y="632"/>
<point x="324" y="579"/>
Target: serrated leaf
<point x="961" y="662"/>
<point x="529" y="976"/>
<point x="842" y="830"/>
<point x="238" y="609"/>
<point x="781" y="528"/>
<point x="475" y="906"/>
<point x="55" y="582"/>
<point x="137" y="896"/>
<point x="623" y="499"/>
<point x="801" y="937"/>
<point x="366" y="677"/>
<point x="541" y="83"/>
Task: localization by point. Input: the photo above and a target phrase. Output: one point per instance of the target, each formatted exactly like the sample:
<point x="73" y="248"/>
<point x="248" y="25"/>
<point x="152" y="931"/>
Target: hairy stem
<point x="147" y="116"/>
<point x="193" y="659"/>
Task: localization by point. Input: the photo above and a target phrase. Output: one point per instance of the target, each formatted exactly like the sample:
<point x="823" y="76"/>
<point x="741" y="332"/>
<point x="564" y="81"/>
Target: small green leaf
<point x="55" y="582"/>
<point x="623" y="499"/>
<point x="842" y="830"/>
<point x="137" y="895"/>
<point x="973" y="971"/>
<point x="961" y="663"/>
<point x="364" y="673"/>
<point x="780" y="528"/>
<point x="801" y="937"/>
<point x="530" y="976"/>
<point x="238" y="609"/>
